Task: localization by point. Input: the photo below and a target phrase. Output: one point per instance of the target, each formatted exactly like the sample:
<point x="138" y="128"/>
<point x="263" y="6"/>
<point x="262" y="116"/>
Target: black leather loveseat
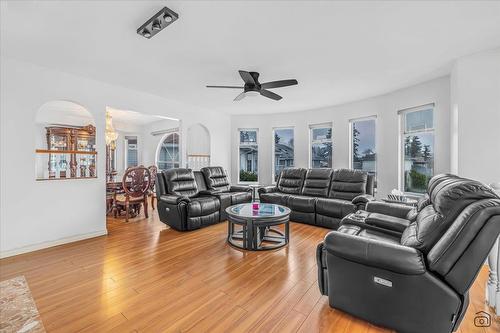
<point x="189" y="200"/>
<point x="320" y="196"/>
<point x="411" y="269"/>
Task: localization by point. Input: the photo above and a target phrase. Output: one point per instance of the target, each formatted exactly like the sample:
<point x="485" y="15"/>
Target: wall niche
<point x="65" y="142"/>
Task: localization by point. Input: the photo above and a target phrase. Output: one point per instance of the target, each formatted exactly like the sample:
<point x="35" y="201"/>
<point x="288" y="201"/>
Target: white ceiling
<point x="338" y="51"/>
<point x="133" y="117"/>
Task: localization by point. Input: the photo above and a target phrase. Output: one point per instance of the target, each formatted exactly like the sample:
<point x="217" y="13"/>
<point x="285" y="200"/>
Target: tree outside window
<point x="418" y="149"/>
<point x="321" y="146"/>
<point x="248" y="154"/>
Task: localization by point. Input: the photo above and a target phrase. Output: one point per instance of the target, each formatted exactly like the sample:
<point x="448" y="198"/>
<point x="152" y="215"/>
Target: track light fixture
<point x="158" y="22"/>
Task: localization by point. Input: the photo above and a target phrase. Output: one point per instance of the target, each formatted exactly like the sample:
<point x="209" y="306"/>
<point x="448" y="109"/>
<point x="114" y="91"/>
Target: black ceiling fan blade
<point x="270" y="94"/>
<point x="278" y="84"/>
<point x="247" y="77"/>
<point x="240" y="97"/>
<point x="230" y="87"/>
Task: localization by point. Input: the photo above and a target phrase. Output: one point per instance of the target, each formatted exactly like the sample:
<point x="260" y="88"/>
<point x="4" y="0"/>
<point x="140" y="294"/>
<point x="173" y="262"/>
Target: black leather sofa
<point x="320" y="196"/>
<point x="411" y="269"/>
<point x="189" y="200"/>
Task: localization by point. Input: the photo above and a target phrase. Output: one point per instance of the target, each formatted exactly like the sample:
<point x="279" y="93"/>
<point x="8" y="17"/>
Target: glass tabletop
<point x="256" y="209"/>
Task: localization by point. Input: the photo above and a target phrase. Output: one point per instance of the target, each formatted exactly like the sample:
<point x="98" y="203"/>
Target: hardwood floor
<point x="144" y="277"/>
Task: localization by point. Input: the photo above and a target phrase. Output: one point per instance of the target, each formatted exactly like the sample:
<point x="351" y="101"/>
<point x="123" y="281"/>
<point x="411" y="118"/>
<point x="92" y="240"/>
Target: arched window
<point x="169" y="156"/>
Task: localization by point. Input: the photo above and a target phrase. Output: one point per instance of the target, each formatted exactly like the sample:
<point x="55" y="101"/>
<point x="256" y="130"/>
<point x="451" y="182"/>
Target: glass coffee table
<point x="254" y="226"/>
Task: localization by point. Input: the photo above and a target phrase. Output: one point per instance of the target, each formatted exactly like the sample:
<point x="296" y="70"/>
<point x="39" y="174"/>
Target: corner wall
<point x="385" y="107"/>
<point x="39" y="214"/>
<point x="475" y="117"/>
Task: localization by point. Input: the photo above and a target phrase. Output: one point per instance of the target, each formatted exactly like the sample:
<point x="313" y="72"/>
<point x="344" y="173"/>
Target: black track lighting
<point x="158" y="22"/>
<point x="156" y="26"/>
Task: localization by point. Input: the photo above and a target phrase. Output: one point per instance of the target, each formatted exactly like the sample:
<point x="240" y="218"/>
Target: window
<point x="321" y="146"/>
<point x="417" y="148"/>
<point x="168" y="155"/>
<point x="363" y="149"/>
<point x="283" y="150"/>
<point x="249" y="152"/>
<point x="131" y="152"/>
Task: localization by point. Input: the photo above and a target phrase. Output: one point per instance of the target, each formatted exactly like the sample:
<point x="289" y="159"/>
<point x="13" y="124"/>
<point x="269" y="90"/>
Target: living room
<point x="293" y="166"/>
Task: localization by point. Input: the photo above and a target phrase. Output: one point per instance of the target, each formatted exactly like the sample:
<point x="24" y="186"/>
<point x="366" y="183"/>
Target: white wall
<point x="475" y="118"/>
<point x="385" y="107"/>
<point x="37" y="214"/>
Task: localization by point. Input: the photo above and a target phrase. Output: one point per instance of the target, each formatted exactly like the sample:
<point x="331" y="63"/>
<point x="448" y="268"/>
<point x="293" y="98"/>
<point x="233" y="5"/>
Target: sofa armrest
<point x="174" y="199"/>
<point x="392" y="257"/>
<point x="387" y="222"/>
<point x="268" y="189"/>
<point x="385" y="208"/>
<point x="361" y="200"/>
<point x="240" y="188"/>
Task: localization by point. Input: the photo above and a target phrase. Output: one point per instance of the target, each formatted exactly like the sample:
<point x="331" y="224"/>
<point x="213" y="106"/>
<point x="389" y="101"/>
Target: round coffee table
<point x="257" y="221"/>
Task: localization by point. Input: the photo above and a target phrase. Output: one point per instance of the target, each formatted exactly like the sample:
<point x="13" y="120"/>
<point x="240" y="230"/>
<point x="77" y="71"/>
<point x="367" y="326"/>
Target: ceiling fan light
<point x="168" y="18"/>
<point x="252" y="93"/>
<point x="156" y="26"/>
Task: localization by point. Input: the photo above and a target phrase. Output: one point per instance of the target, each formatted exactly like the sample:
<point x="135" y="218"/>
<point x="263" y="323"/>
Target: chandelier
<point x="110" y="132"/>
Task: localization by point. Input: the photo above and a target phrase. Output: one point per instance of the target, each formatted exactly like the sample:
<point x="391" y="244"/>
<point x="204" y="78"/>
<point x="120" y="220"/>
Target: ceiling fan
<point x="253" y="87"/>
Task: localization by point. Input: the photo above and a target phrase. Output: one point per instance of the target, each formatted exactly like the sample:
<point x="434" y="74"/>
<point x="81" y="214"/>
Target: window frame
<point x="257" y="139"/>
<point x="273" y="159"/>
<point x="315" y="126"/>
<point x="126" y="149"/>
<point x="160" y="143"/>
<point x="402" y="134"/>
<point x="351" y="143"/>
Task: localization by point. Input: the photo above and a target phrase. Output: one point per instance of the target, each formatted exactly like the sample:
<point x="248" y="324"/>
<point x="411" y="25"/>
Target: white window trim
<point x="351" y="121"/>
<point x="258" y="153"/>
<point x="273" y="146"/>
<point x="402" y="126"/>
<point x="311" y="127"/>
<point x="164" y="136"/>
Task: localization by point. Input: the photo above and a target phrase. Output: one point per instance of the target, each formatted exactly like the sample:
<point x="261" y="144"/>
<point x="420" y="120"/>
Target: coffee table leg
<point x="287" y="231"/>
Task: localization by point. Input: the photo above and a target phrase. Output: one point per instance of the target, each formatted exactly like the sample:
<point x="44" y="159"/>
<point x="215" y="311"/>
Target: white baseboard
<point x="44" y="245"/>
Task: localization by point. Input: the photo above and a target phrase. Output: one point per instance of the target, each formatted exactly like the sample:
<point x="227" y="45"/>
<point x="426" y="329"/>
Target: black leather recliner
<point x="320" y="196"/>
<point x="180" y="205"/>
<point x="219" y="186"/>
<point x="187" y="202"/>
<point x="416" y="278"/>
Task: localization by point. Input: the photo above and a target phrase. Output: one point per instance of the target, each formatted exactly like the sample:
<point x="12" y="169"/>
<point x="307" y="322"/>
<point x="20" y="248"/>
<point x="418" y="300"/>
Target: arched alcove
<point x="65" y="141"/>
<point x="198" y="146"/>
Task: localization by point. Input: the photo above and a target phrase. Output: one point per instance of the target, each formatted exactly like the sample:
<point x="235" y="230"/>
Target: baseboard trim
<point x="45" y="245"/>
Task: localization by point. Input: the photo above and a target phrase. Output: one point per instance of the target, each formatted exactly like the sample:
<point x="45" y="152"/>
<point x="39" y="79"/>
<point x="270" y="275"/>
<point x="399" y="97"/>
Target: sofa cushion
<point x="274" y="197"/>
<point x="347" y="184"/>
<point x="334" y="207"/>
<point x="216" y="178"/>
<point x="181" y="182"/>
<point x="301" y="203"/>
<point x="317" y="182"/>
<point x="291" y="180"/>
<point x="202" y="206"/>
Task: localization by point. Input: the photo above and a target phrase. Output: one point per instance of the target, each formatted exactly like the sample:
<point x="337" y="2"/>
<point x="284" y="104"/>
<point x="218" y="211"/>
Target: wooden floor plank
<point x="145" y="277"/>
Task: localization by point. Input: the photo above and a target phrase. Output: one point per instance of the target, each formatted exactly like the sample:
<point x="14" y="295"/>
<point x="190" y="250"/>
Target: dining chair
<point x="153" y="170"/>
<point x="136" y="186"/>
